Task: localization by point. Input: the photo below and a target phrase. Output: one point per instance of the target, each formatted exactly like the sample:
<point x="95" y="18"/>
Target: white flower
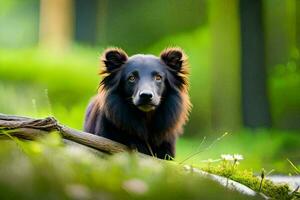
<point x="136" y="186"/>
<point x="238" y="157"/>
<point x="227" y="157"/>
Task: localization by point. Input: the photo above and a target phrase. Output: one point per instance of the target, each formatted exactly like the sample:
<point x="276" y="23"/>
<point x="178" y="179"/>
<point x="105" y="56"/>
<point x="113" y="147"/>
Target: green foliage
<point x="48" y="169"/>
<point x="284" y="86"/>
<point x="66" y="77"/>
<point x="37" y="83"/>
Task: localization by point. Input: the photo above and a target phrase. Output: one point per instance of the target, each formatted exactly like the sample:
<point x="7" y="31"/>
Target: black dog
<point x="143" y="101"/>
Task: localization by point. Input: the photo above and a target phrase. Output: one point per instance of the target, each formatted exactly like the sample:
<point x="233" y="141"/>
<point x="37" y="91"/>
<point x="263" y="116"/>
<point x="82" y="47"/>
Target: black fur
<point x="115" y="115"/>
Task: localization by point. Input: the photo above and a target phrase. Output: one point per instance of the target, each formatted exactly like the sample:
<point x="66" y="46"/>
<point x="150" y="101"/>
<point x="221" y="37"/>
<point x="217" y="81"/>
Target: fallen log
<point x="30" y="129"/>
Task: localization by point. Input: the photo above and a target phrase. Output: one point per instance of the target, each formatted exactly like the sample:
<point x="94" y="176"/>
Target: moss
<point x="48" y="169"/>
<point x="246" y="177"/>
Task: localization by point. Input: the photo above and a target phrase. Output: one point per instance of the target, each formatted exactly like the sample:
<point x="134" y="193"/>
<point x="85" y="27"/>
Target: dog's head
<point x="143" y="79"/>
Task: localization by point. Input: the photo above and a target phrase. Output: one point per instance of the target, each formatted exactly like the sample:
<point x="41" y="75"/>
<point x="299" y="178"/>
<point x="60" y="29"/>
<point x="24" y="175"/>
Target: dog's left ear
<point x="173" y="57"/>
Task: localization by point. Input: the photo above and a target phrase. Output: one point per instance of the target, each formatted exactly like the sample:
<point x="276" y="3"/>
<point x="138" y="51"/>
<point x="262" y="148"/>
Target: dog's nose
<point x="146" y="95"/>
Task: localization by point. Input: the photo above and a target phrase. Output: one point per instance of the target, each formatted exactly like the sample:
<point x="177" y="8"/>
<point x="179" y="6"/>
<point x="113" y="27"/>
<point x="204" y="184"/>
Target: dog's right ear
<point x="113" y="59"/>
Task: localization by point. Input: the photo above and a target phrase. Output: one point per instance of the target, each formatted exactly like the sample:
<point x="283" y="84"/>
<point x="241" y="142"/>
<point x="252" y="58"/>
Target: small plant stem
<point x="262" y="179"/>
<point x="294" y="167"/>
<point x="200" y="151"/>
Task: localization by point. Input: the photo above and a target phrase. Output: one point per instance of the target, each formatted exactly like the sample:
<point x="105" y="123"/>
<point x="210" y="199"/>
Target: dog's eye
<point x="158" y="78"/>
<point x="131" y="78"/>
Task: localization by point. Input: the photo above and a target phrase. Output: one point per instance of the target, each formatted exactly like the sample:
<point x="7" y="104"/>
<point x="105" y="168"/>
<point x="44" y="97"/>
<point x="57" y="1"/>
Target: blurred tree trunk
<point x="226" y="97"/>
<point x="56" y="24"/>
<point x="254" y="93"/>
<point x="91" y="21"/>
<point x="86" y="21"/>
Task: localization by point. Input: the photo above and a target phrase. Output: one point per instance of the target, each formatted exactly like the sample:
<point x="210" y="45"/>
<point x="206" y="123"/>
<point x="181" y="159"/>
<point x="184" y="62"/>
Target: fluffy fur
<point x="111" y="115"/>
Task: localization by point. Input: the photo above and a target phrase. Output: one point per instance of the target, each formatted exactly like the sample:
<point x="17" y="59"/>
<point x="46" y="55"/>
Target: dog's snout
<point x="146" y="95"/>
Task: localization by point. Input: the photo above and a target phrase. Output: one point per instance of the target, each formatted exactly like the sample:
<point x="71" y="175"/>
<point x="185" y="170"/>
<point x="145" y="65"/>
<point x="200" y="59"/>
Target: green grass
<point x="39" y="84"/>
<point x="261" y="149"/>
<point x="47" y="169"/>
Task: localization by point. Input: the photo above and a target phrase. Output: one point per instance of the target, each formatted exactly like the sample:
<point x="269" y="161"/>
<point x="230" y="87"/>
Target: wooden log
<point x="91" y="140"/>
<point x="28" y="128"/>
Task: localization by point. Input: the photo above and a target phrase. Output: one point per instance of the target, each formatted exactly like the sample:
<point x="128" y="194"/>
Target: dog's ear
<point x="113" y="59"/>
<point x="173" y="58"/>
